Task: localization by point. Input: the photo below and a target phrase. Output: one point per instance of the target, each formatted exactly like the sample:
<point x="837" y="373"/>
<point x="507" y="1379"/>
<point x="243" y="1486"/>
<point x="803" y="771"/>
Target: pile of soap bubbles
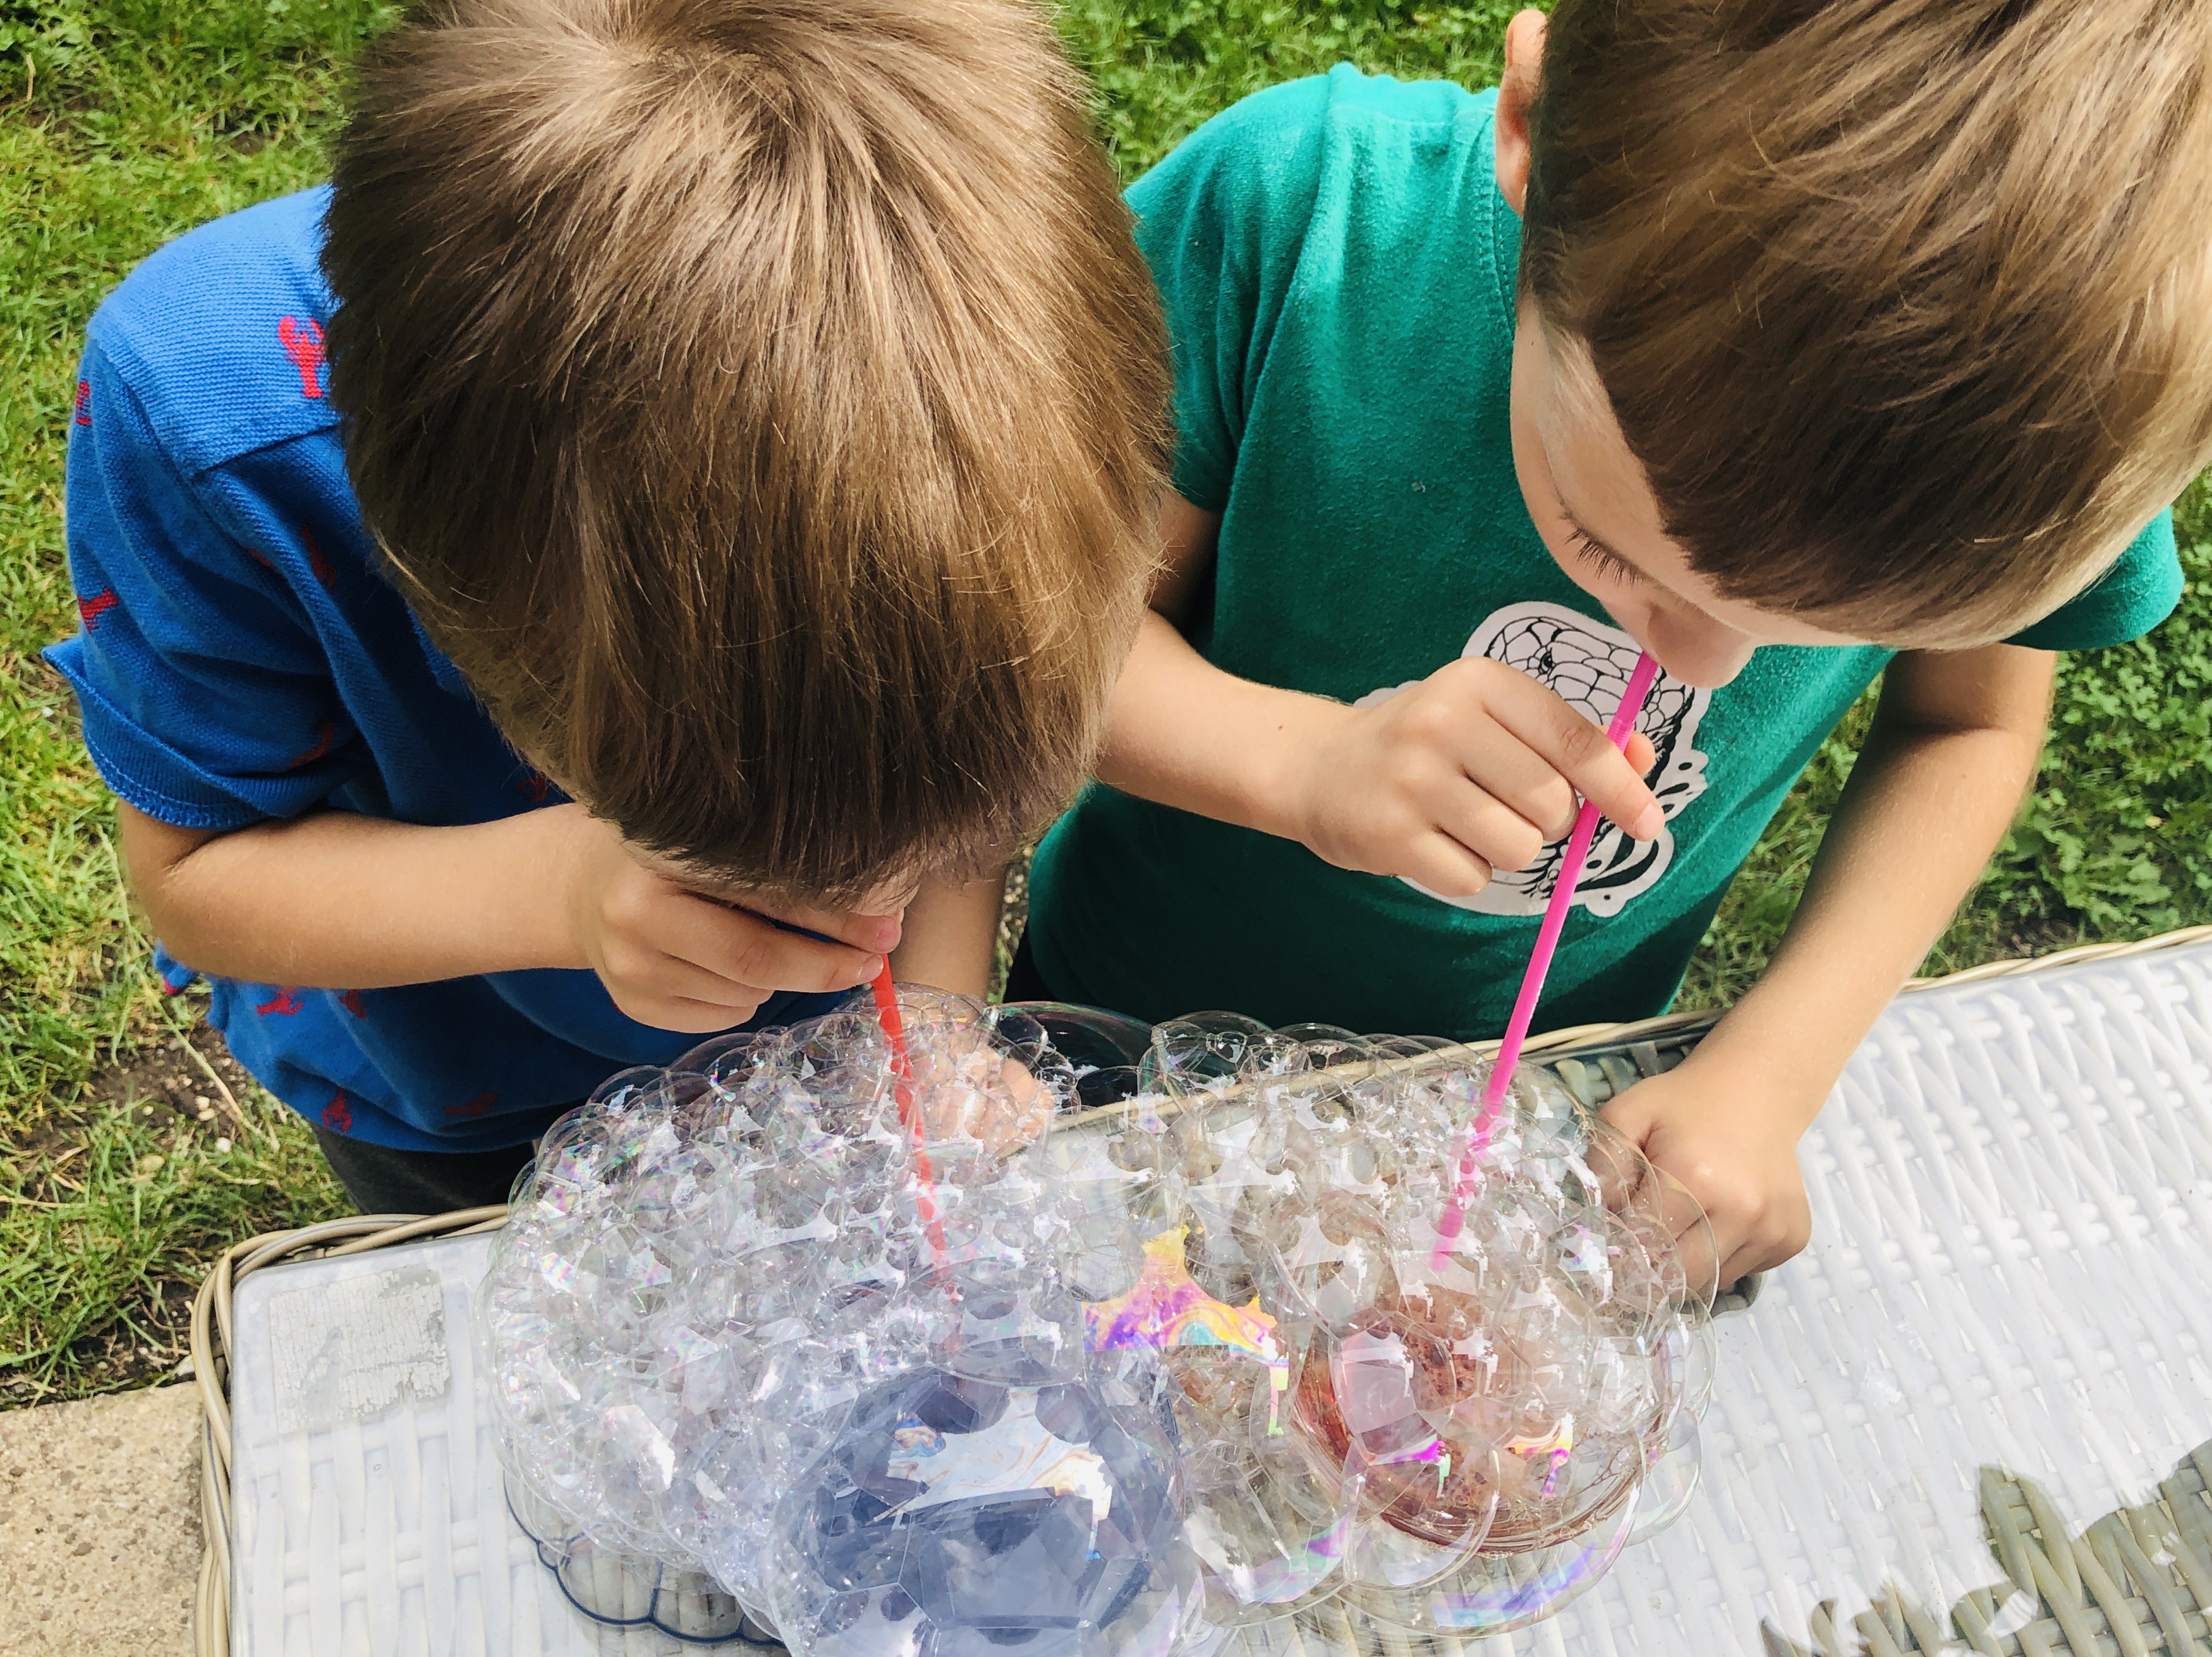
<point x="1037" y="1330"/>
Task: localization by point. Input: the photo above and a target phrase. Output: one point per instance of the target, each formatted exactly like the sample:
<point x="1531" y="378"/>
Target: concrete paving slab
<point x="99" y="1525"/>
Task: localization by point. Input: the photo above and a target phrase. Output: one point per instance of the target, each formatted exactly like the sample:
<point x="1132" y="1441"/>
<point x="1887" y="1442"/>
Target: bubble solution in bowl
<point x="1069" y="1336"/>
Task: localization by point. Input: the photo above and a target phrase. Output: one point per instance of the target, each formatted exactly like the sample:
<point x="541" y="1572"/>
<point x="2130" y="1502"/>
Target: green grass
<point x="124" y="121"/>
<point x="1162" y="68"/>
<point x="107" y="1221"/>
<point x="121" y="126"/>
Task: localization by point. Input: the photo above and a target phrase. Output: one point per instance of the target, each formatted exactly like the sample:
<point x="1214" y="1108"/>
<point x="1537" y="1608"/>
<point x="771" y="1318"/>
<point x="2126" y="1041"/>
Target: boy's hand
<point x="679" y="961"/>
<point x="1477" y="768"/>
<point x="1735" y="1152"/>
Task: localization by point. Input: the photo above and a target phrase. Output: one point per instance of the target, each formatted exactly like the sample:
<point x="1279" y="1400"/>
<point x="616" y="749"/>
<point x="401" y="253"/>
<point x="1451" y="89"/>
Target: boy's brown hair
<point x="763" y="402"/>
<point x="1904" y="305"/>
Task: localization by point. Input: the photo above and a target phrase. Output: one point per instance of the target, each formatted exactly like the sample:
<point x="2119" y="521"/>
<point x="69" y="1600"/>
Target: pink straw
<point x="1539" y="965"/>
<point x="887" y="1014"/>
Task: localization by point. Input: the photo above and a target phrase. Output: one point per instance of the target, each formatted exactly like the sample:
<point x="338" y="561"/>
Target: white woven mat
<point x="371" y="1536"/>
<point x="2012" y="1201"/>
<point x="2012" y="1207"/>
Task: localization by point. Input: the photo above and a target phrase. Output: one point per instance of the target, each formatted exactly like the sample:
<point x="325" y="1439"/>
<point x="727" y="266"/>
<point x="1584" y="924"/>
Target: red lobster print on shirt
<point x="326" y="737"/>
<point x="316" y="561"/>
<point x="89" y="610"/>
<point x="303" y="344"/>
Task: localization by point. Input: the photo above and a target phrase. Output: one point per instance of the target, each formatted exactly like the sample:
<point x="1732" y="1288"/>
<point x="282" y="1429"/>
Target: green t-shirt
<point x="1338" y="268"/>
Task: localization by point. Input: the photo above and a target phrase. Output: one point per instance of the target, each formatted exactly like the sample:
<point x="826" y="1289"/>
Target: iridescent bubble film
<point x="1052" y="1333"/>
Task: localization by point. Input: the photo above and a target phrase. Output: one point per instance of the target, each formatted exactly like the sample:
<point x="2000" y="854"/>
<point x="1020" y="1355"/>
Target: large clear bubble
<point x="955" y="1515"/>
<point x="1034" y="1329"/>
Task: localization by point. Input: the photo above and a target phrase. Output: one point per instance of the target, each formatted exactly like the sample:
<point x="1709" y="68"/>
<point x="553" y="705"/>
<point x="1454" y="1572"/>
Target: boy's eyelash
<point x="1603" y="557"/>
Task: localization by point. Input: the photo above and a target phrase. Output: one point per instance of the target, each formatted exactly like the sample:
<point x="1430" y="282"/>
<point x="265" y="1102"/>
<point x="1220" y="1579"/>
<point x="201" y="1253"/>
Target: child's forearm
<point x="1473" y="770"/>
<point x="1184" y="733"/>
<point x="336" y="899"/>
<point x="949" y="933"/>
<point x="1954" y="745"/>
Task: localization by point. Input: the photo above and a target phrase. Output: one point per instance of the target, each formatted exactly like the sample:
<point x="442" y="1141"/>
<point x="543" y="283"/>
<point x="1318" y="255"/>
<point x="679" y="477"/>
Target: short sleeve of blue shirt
<point x="208" y="702"/>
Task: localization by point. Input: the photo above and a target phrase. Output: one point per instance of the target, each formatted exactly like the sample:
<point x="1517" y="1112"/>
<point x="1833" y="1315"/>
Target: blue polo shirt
<point x="242" y="658"/>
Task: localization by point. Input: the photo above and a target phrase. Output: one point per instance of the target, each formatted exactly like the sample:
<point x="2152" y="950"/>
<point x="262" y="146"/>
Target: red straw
<point x="1539" y="964"/>
<point x="887" y="1014"/>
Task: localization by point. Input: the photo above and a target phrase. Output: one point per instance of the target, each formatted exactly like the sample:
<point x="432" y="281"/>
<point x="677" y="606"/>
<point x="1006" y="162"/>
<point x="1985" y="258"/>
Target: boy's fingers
<point x="1494" y="831"/>
<point x="1642" y="756"/>
<point x="678" y="980"/>
<point x="1704" y="1241"/>
<point x="1580" y="752"/>
<point x="671" y="994"/>
<point x="1695" y="1248"/>
<point x="746" y="950"/>
<point x="682" y="1014"/>
<point x="1620" y="1171"/>
<point x="1446" y="867"/>
<point x="1523" y="781"/>
<point x="875" y="934"/>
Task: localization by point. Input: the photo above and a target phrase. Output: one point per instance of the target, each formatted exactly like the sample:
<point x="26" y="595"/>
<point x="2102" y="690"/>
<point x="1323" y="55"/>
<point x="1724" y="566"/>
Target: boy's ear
<point x="1516" y="96"/>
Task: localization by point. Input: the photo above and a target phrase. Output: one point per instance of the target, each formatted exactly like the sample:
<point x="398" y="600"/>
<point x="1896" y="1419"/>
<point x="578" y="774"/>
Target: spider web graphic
<point x="1587" y="664"/>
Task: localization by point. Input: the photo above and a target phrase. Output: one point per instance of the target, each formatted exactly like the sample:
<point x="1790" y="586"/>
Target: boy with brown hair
<point x="620" y="561"/>
<point x="1866" y="336"/>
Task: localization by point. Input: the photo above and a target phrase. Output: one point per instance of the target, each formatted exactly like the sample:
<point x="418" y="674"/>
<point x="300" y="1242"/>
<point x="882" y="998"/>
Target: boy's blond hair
<point x="1904" y="305"/>
<point x="763" y="402"/>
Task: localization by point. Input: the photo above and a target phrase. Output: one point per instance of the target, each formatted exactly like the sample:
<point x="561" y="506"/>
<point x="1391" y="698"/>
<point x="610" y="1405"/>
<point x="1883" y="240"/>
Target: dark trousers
<point x="382" y="1180"/>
